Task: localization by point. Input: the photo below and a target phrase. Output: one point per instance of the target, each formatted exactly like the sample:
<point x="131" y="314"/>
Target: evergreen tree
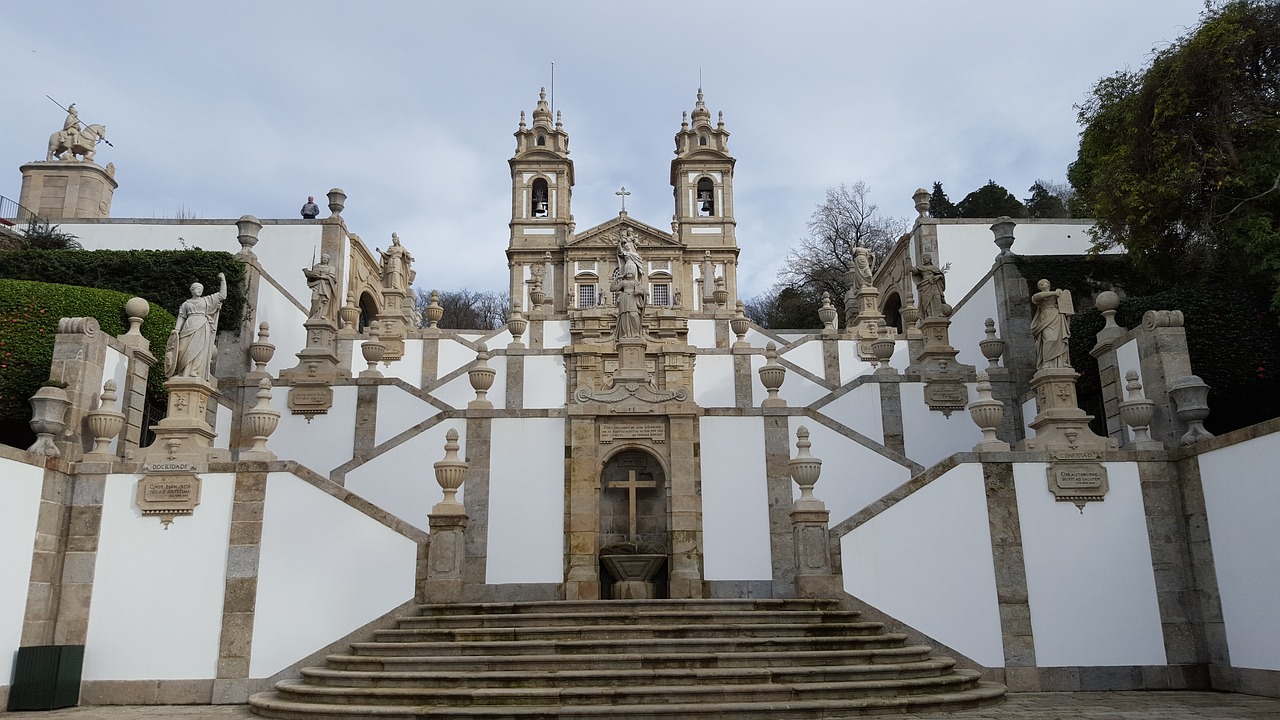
<point x="940" y="206"/>
<point x="990" y="201"/>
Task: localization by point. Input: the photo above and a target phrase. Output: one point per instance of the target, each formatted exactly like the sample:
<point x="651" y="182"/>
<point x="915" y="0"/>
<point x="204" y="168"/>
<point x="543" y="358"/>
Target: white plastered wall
<point x="402" y="480"/>
<point x="458" y="392"/>
<point x="408" y="368"/>
<point x="896" y="561"/>
<point x="852" y="476"/>
<point x="526" y="501"/>
<point x="859" y="410"/>
<point x="324" y="570"/>
<point x="19" y="510"/>
<point x="296" y="439"/>
<point x="452" y="355"/>
<point x="806" y="355"/>
<point x="157" y="593"/>
<point x="702" y="333"/>
<point x="968" y="325"/>
<point x="971" y="248"/>
<point x="285" y="322"/>
<point x="555" y="334"/>
<point x="398" y="411"/>
<point x="930" y="436"/>
<point x="544" y="381"/>
<point x="713" y="381"/>
<point x="1241" y="496"/>
<point x="735" y="499"/>
<point x="1090" y="584"/>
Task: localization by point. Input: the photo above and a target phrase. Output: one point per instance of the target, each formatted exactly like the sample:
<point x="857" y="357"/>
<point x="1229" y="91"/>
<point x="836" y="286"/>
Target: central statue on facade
<point x="628" y="282"/>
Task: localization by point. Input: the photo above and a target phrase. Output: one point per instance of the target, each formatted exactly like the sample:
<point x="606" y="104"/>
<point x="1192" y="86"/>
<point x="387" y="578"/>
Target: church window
<point x="702" y="140"/>
<point x="706" y="198"/>
<point x="542" y="140"/>
<point x="661" y="294"/>
<point x="586" y="296"/>
<point x="541" y="208"/>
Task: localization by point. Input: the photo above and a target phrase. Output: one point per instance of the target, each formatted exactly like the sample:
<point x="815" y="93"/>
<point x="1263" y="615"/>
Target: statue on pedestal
<point x="931" y="283"/>
<point x="396" y="274"/>
<point x="322" y="278"/>
<point x="73" y="140"/>
<point x="1051" y="326"/>
<point x="864" y="266"/>
<point x="191" y="348"/>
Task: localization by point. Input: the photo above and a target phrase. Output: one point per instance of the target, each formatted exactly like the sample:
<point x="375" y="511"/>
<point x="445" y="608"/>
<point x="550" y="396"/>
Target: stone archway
<point x="634" y="528"/>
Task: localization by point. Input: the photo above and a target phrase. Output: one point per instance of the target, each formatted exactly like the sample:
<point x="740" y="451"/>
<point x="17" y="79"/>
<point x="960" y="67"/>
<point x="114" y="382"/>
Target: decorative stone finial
<point x="373" y="351"/>
<point x="1136" y="413"/>
<point x="772" y="376"/>
<point x="805" y="469"/>
<point x="1191" y="395"/>
<point x="337" y="201"/>
<point x="987" y="413"/>
<point x="247" y="228"/>
<point x="828" y="313"/>
<point x="992" y="347"/>
<point x="739" y="325"/>
<point x="451" y="472"/>
<point x="104" y="423"/>
<point x="481" y="377"/>
<point x="882" y="347"/>
<point x="136" y="309"/>
<point x="522" y="123"/>
<point x="49" y="407"/>
<point x="922" y="199"/>
<point x="434" y="312"/>
<point x="516" y="324"/>
<point x="349" y="314"/>
<point x="262" y="351"/>
<point x="1003" y="231"/>
<point x="260" y="422"/>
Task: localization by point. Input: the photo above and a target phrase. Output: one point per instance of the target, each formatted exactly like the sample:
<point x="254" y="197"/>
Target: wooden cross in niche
<point x="632" y="484"/>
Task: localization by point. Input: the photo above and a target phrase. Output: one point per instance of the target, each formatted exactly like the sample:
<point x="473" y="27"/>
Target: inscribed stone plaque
<point x="656" y="432"/>
<point x="168" y="496"/>
<point x="946" y="396"/>
<point x="1078" y="481"/>
<point x="310" y="400"/>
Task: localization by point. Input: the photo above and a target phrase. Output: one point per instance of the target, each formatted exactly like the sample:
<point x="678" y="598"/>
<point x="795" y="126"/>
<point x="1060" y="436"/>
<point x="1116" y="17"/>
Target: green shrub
<point x="163" y="277"/>
<point x="29" y="314"/>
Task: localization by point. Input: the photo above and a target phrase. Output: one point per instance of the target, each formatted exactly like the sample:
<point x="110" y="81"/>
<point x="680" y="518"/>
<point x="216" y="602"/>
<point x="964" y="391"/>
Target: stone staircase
<point x="750" y="659"/>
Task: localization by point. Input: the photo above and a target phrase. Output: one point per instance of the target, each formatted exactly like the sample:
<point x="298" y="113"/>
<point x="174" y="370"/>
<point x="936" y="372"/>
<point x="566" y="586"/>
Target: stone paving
<point x="1019" y="706"/>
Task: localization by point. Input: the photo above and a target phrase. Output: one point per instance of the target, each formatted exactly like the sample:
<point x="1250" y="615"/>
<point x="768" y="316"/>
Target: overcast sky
<point x="233" y="107"/>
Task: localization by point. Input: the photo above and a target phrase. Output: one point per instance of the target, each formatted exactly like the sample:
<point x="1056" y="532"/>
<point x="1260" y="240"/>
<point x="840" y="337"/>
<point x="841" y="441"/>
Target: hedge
<point x="163" y="277"/>
<point x="29" y="314"/>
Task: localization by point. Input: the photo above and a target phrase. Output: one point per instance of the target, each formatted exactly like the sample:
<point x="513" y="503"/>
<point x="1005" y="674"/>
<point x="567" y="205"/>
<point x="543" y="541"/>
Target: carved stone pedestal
<point x="944" y="378"/>
<point x="1075" y="473"/>
<point x="863" y="319"/>
<point x="184" y="436"/>
<point x="317" y="368"/>
<point x="445" y="556"/>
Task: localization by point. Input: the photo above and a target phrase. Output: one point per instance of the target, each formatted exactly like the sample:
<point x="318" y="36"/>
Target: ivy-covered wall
<point x="1232" y="334"/>
<point x="29" y="314"/>
<point x="163" y="277"/>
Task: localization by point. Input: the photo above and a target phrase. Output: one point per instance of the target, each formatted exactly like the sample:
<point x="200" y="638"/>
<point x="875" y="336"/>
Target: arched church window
<point x="541" y="205"/>
<point x="542" y="140"/>
<point x="702" y="140"/>
<point x="706" y="198"/>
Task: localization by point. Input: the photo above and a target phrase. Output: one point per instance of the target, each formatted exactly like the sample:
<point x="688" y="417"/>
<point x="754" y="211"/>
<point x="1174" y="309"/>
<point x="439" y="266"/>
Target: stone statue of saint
<point x="395" y="265"/>
<point x="190" y="350"/>
<point x="629" y="260"/>
<point x="930" y="285"/>
<point x="631" y="302"/>
<point x="1051" y="326"/>
<point x="322" y="278"/>
<point x="864" y="266"/>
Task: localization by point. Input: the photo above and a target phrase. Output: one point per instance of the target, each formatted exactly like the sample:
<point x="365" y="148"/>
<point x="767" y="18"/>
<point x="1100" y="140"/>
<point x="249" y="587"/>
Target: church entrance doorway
<point x="634" y="530"/>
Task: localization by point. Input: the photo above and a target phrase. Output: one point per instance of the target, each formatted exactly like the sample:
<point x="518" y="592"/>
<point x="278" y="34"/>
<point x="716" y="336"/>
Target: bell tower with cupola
<point x="702" y="180"/>
<point x="541" y="217"/>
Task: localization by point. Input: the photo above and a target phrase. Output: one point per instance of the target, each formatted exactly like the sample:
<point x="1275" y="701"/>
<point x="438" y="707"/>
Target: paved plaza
<point x="1019" y="706"/>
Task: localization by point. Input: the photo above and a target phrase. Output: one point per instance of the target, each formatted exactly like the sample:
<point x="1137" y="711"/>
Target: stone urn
<point x="516" y="324"/>
<point x="349" y="314"/>
<point x="910" y="315"/>
<point x="337" y="201"/>
<point x="739" y="325"/>
<point x="373" y="351"/>
<point x="451" y="472"/>
<point x="247" y="228"/>
<point x="1003" y="231"/>
<point x="434" y="312"/>
<point x="262" y="351"/>
<point x="481" y="377"/>
<point x="882" y="347"/>
<point x="771" y="376"/>
<point x="1136" y="412"/>
<point x="48" y="419"/>
<point x="1191" y="395"/>
<point x="105" y="422"/>
<point x="987" y="413"/>
<point x="991" y="346"/>
<point x="805" y="469"/>
<point x="721" y="294"/>
<point x="536" y="296"/>
<point x="827" y="313"/>
<point x="260" y="421"/>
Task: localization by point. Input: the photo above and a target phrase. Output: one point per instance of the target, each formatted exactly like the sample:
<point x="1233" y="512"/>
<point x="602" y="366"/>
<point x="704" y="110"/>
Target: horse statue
<point x="74" y="142"/>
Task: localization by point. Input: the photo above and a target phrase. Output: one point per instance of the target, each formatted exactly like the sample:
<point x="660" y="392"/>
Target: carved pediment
<point x="606" y="235"/>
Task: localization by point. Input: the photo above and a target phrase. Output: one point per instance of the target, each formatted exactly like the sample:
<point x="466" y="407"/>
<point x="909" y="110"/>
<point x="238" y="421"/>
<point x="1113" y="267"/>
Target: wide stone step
<point x="613" y="632"/>
<point x="643" y="617"/>
<point x="609" y="676"/>
<point x="299" y="691"/>
<point x="634" y="645"/>
<point x="633" y="661"/>
<point x="626" y="607"/>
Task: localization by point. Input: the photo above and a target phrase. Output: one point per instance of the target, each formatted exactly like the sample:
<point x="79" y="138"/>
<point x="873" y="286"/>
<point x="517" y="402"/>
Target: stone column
<point x="582" y="572"/>
<point x="777" y="455"/>
<point x="240" y="592"/>
<point x="476" y="499"/>
<point x="686" y="513"/>
<point x="1011" y="578"/>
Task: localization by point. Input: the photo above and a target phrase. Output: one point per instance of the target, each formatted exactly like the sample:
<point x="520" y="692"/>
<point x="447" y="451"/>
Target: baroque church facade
<point x="630" y="443"/>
